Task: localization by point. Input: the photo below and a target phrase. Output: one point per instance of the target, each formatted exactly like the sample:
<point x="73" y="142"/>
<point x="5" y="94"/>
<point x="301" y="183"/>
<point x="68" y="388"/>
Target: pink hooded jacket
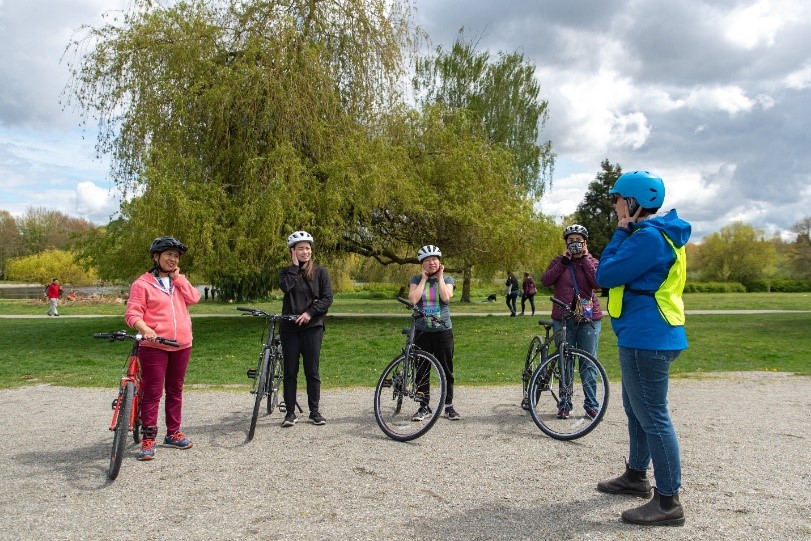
<point x="165" y="312"/>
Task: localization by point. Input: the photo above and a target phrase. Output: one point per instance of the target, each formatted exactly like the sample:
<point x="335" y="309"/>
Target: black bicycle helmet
<point x="161" y="244"/>
<point x="576" y="229"/>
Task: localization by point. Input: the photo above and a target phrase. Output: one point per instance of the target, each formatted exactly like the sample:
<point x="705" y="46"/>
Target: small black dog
<point x="491" y="298"/>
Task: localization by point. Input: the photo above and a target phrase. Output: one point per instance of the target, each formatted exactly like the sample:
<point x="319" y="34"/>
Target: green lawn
<point x="489" y="350"/>
<point x="350" y="304"/>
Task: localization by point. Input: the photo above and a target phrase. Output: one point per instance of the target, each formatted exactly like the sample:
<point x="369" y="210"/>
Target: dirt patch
<point x="493" y="475"/>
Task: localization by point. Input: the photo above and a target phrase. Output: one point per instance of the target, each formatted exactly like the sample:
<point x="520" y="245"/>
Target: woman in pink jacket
<point x="158" y="306"/>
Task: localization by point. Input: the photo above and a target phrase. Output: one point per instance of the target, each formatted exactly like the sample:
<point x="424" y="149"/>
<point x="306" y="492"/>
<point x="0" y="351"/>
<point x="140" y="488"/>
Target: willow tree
<point x="231" y="123"/>
<point x="456" y="191"/>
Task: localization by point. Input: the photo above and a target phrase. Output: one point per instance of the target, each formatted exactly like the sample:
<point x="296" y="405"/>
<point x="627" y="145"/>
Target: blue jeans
<point x="644" y="396"/>
<point x="585" y="337"/>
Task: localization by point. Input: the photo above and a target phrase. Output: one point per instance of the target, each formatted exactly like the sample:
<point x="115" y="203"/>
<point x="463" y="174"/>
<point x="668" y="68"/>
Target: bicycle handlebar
<point x="421" y="312"/>
<point x="261" y="313"/>
<point x="124" y="335"/>
<point x="569" y="311"/>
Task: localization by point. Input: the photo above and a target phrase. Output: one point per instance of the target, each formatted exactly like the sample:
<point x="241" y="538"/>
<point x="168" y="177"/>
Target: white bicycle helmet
<point x="576" y="229"/>
<point x="299" y="236"/>
<point x="427" y="251"/>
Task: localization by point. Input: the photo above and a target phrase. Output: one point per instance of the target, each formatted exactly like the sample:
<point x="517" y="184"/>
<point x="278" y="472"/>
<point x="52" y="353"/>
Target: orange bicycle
<point x="127" y="405"/>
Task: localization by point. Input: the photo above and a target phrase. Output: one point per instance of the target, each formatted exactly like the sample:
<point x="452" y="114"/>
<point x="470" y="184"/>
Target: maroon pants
<point x="158" y="367"/>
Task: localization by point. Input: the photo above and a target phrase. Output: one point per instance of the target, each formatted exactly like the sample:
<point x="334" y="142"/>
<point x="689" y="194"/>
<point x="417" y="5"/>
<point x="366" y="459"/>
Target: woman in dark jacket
<point x="308" y="294"/>
<point x="572" y="277"/>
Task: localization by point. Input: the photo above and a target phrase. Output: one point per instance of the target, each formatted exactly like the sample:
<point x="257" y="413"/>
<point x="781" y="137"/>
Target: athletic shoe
<point x="178" y="440"/>
<point x="592" y="413"/>
<point x="289" y="419"/>
<point x="317" y="419"/>
<point x="421" y="414"/>
<point x="147" y="451"/>
<point x="451" y="414"/>
<point x="563" y="413"/>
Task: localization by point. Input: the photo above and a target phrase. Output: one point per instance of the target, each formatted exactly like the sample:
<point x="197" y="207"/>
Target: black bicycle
<point x="551" y="391"/>
<point x="269" y="372"/>
<point x="411" y="391"/>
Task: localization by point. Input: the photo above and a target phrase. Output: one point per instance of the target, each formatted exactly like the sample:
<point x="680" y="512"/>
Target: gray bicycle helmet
<point x="161" y="244"/>
<point x="299" y="236"/>
<point x="576" y="229"/>
<point x="427" y="251"/>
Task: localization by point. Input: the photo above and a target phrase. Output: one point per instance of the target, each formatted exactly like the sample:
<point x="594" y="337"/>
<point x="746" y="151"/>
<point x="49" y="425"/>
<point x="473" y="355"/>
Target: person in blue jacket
<point x="644" y="266"/>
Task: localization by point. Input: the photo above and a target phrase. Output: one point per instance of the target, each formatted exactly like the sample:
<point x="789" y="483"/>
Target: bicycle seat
<point x="546" y="324"/>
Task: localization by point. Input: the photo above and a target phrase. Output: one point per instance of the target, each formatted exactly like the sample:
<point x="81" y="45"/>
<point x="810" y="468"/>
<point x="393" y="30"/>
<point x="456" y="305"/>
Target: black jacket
<point x="300" y="295"/>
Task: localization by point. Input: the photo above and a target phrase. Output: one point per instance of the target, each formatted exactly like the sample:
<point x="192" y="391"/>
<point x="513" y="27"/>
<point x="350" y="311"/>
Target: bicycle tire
<point x="122" y="426"/>
<point x="261" y="386"/>
<point x="547" y="392"/>
<point x="276" y="377"/>
<point x="395" y="396"/>
<point x="531" y="363"/>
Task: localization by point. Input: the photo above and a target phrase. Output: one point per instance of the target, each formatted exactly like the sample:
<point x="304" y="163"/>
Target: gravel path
<point x="745" y="446"/>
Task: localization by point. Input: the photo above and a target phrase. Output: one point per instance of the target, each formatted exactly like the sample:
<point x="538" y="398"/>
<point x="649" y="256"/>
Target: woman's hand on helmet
<point x="293" y="257"/>
<point x="623" y="216"/>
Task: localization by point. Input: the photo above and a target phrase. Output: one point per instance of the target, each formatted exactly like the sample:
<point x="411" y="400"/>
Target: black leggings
<point x="440" y="345"/>
<point x="307" y="344"/>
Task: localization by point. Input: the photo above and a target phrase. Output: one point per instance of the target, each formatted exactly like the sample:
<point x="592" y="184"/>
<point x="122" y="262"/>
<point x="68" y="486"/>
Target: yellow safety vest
<point x="668" y="295"/>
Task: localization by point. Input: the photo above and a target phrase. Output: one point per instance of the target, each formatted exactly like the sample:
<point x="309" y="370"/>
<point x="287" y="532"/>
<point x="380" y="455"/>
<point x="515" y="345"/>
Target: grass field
<point x="489" y="350"/>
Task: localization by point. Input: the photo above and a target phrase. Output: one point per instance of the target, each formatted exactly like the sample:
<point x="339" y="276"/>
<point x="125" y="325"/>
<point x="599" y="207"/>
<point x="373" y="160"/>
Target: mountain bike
<point x="551" y="391"/>
<point x="412" y="384"/>
<point x="269" y="372"/>
<point x="127" y="405"/>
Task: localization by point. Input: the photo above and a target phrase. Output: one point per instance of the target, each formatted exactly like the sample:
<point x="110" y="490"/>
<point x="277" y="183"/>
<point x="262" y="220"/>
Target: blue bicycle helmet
<point x="645" y="187"/>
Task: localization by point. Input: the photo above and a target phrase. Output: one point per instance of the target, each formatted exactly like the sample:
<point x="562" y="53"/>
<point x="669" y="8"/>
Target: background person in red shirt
<point x="53" y="292"/>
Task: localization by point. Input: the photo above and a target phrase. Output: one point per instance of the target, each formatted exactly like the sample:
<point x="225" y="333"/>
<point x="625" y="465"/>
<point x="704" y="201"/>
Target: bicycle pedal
<point x="282" y="407"/>
<point x="252" y="373"/>
<point x="115" y="402"/>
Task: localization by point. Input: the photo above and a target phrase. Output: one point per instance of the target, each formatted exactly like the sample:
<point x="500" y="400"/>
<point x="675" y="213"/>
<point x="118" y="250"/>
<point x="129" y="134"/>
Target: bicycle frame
<point x="133" y="374"/>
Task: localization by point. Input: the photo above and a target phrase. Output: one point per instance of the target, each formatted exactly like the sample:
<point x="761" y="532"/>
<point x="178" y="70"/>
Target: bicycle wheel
<point x="531" y="363"/>
<point x="578" y="385"/>
<point x="259" y="390"/>
<point x="276" y="377"/>
<point x="405" y="389"/>
<point x="122" y="426"/>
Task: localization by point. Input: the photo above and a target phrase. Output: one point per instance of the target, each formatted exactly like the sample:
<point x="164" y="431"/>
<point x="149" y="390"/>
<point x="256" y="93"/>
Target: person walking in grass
<point x="432" y="291"/>
<point x="53" y="292"/>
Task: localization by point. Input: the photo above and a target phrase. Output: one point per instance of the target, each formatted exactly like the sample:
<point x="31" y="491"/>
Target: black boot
<point x="660" y="511"/>
<point x="632" y="482"/>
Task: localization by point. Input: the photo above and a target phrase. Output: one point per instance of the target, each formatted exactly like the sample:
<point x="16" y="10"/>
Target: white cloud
<point x="758" y="24"/>
<point x="799" y="79"/>
<point x="730" y="99"/>
<point x="95" y="203"/>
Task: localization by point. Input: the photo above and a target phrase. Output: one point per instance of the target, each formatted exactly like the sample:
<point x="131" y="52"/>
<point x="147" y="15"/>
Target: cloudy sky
<point x="713" y="96"/>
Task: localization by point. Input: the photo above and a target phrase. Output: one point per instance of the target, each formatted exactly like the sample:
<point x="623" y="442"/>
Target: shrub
<point x="714" y="287"/>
